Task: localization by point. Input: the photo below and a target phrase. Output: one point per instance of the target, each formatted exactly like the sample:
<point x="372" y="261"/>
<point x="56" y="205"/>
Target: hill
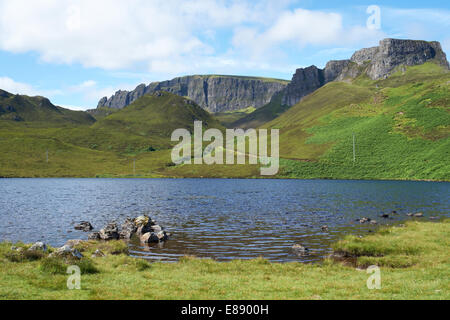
<point x="39" y="111"/>
<point x="401" y="126"/>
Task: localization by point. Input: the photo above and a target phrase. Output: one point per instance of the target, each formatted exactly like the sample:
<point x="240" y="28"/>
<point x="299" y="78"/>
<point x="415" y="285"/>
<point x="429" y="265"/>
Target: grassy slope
<point x="414" y="264"/>
<point x="262" y="115"/>
<point x="401" y="125"/>
<point x="140" y="132"/>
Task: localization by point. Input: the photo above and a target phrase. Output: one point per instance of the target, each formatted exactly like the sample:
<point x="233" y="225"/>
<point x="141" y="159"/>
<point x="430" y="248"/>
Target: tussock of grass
<point x="414" y="264"/>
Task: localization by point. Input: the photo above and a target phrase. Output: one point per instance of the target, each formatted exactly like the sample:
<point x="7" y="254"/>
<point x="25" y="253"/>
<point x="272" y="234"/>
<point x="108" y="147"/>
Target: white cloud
<point x="14" y="87"/>
<point x="116" y="34"/>
<point x="302" y="28"/>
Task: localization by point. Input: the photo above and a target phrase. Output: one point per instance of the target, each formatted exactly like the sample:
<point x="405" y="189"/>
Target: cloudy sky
<point x="77" y="51"/>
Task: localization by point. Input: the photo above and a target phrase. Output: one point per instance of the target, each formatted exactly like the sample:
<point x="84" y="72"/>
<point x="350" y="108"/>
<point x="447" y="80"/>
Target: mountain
<point x="214" y="93"/>
<point x="400" y="123"/>
<point x="375" y="63"/>
<point x="38" y="110"/>
<point x="157" y="114"/>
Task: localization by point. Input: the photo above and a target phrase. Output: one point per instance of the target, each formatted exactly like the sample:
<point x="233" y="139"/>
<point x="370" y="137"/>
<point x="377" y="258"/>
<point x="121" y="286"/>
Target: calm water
<point x="220" y="219"/>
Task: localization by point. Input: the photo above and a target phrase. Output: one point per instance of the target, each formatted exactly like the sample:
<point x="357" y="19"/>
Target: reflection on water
<point x="220" y="219"/>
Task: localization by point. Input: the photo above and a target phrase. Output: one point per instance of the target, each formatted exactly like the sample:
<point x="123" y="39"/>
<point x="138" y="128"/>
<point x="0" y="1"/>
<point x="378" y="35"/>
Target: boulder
<point x="84" y="226"/>
<point x="94" y="236"/>
<point x="110" y="232"/>
<point x="154" y="237"/>
<point x="128" y="229"/>
<point x="67" y="251"/>
<point x="38" y="246"/>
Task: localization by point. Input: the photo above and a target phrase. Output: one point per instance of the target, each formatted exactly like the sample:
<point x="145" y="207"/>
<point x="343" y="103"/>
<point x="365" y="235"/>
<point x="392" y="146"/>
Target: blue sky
<point x="77" y="51"/>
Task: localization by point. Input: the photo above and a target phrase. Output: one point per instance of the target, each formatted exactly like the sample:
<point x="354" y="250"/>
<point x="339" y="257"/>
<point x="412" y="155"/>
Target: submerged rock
<point x="300" y="249"/>
<point x="84" y="226"/>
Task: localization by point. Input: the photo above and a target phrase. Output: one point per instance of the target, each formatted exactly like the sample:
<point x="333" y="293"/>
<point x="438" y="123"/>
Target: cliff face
<point x="377" y="62"/>
<point x="213" y="93"/>
<point x="225" y="93"/>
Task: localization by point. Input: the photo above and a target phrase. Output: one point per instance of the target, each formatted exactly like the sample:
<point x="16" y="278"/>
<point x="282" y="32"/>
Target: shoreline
<point x="413" y="260"/>
<point x="226" y="178"/>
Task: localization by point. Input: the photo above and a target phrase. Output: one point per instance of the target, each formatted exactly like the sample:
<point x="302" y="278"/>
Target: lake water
<point x="219" y="219"/>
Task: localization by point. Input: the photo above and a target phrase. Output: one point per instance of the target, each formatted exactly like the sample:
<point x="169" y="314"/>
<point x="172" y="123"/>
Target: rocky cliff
<point x="377" y="63"/>
<point x="213" y="93"/>
<point x="225" y="93"/>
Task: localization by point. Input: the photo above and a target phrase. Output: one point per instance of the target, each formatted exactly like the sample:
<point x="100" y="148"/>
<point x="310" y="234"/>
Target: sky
<point x="77" y="51"/>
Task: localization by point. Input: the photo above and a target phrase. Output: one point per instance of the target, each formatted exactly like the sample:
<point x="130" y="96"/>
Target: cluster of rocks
<point x="145" y="228"/>
<point x="66" y="251"/>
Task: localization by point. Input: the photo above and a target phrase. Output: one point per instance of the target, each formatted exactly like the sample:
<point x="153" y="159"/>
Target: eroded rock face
<point x="377" y="62"/>
<point x="392" y="53"/>
<point x="212" y="93"/>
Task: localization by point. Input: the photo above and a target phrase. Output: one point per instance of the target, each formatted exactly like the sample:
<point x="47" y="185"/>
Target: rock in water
<point x="94" y="236"/>
<point x="419" y="215"/>
<point x="84" y="226"/>
<point x="300" y="250"/>
<point x="110" y="232"/>
<point x="129" y="228"/>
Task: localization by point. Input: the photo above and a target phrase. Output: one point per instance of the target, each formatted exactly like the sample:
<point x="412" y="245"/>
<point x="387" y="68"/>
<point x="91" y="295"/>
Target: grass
<point x="414" y="263"/>
<point x="401" y="125"/>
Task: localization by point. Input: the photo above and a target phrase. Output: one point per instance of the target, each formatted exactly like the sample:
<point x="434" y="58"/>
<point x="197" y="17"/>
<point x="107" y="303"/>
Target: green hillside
<point x="401" y="127"/>
<point x="262" y="115"/>
<point x="39" y="111"/>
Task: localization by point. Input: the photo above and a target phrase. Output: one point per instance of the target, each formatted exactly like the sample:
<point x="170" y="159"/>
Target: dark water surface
<point x="220" y="219"/>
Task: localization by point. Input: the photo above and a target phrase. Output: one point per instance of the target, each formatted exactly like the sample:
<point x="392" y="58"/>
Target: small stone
<point x="418" y="215"/>
<point x="385" y="216"/>
<point x="374" y="222"/>
<point x="300" y="250"/>
<point x="98" y="254"/>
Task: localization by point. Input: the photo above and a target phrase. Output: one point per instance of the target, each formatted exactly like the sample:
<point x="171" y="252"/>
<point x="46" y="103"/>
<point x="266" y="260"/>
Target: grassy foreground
<point x="414" y="262"/>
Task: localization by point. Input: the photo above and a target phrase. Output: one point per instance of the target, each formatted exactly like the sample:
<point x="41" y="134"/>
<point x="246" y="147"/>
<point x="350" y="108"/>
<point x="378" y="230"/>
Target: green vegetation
<point x="263" y="115"/>
<point x="230" y="117"/>
<point x="414" y="264"/>
<point x="401" y="126"/>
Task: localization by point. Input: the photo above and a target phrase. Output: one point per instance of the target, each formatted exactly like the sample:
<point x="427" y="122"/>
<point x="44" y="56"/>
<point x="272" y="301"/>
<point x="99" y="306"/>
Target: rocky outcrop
<point x="212" y="93"/>
<point x="377" y="62"/>
<point x="305" y="81"/>
<point x="225" y="93"/>
<point x="142" y="227"/>
<point x="391" y="53"/>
